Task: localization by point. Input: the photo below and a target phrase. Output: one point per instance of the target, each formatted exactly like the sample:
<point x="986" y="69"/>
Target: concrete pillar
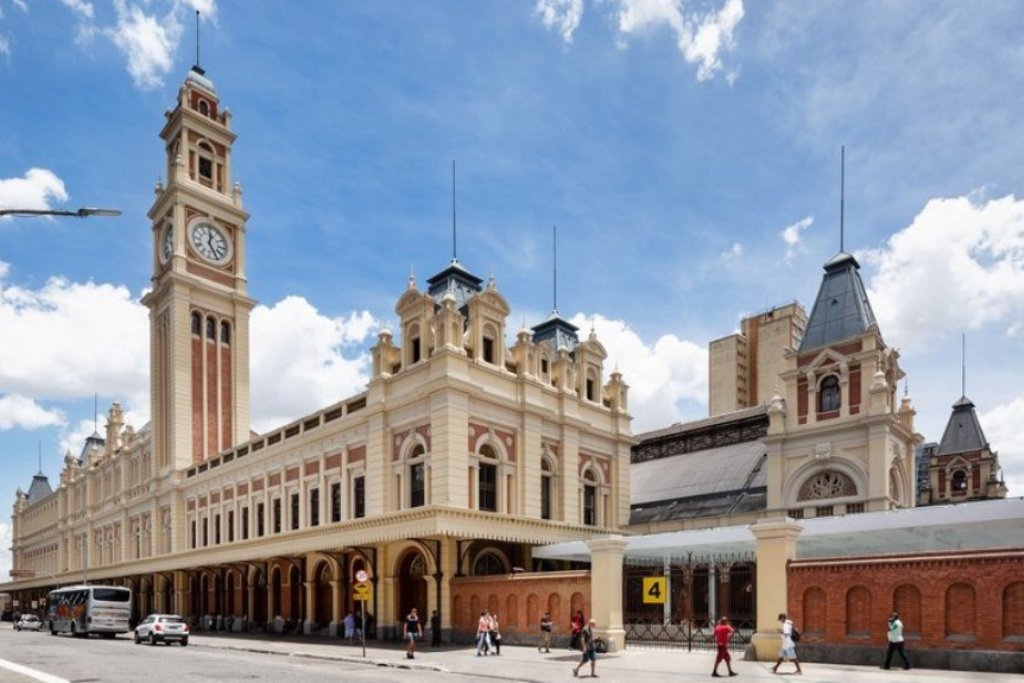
<point x="307" y="622"/>
<point x="606" y="555"/>
<point x="336" y="615"/>
<point x="775" y="547"/>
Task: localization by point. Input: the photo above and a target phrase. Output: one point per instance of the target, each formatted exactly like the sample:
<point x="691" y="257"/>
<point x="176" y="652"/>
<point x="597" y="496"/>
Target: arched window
<point x="589" y="499"/>
<point x="204" y="108"/>
<point x="960" y="481"/>
<point x="489" y="354"/>
<point x="417" y="477"/>
<point x="489" y="563"/>
<point x="225" y="333"/>
<point x="828" y="395"/>
<point x="196" y="323"/>
<point x="487" y="487"/>
<point x="827" y="484"/>
<point x="415" y="347"/>
<point x="547" y="486"/>
<point x="211" y="328"/>
<point x="205" y="164"/>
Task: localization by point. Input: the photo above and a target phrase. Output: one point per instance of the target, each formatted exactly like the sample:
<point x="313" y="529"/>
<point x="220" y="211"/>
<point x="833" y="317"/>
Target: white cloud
<point x="962" y="254"/>
<point x="207" y="8"/>
<point x="1004" y="429"/>
<point x="297" y="360"/>
<point x="20" y="4"/>
<point x="32" y="191"/>
<point x="660" y="375"/>
<point x="792" y="235"/>
<point x="19" y="411"/>
<point x="79" y="7"/>
<point x="5" y="47"/>
<point x="72" y="438"/>
<point x="147" y="41"/>
<point x="68" y="340"/>
<point x="700" y="37"/>
<point x="6" y="539"/>
<point x="561" y="15"/>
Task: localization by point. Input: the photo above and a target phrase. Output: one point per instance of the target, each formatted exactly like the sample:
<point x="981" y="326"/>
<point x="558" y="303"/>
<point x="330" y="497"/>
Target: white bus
<point x="81" y="610"/>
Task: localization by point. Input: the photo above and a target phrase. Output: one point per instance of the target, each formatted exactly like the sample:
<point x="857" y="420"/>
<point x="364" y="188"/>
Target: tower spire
<point x="455" y="251"/>
<point x="842" y="197"/>
<point x="95" y="413"/>
<point x="554" y="270"/>
<point x="197" y="68"/>
<point x="963" y="364"/>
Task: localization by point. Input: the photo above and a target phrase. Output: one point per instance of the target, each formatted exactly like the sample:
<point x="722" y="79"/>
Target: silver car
<point x="28" y="622"/>
<point x="162" y="628"/>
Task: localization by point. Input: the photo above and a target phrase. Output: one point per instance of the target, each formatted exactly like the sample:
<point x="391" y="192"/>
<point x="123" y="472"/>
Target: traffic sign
<point x="362" y="576"/>
<point x="655" y="590"/>
<point x="362" y="592"/>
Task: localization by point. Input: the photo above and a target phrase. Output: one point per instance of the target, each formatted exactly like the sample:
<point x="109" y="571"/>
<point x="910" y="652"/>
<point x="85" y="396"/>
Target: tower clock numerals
<point x="167" y="249"/>
<point x="210" y="242"/>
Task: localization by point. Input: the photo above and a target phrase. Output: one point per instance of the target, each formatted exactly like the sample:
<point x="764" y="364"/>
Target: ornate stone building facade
<point x="461" y="454"/>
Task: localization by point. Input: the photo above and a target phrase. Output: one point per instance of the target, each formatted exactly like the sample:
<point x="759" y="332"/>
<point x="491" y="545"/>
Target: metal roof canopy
<point x="978" y="525"/>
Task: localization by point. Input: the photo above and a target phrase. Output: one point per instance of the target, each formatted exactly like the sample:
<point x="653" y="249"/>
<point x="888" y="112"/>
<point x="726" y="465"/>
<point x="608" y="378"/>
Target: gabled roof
<point x="963" y="431"/>
<point x="842" y="309"/>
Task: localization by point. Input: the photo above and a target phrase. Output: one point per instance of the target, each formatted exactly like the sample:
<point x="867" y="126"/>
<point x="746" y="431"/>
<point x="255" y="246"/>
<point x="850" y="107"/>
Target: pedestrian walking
<point x="350" y="626"/>
<point x="412" y="630"/>
<point x="723" y="632"/>
<point x="895" y="635"/>
<point x="588" y="646"/>
<point x="435" y="629"/>
<point x="495" y="634"/>
<point x="545" y="633"/>
<point x="483" y="634"/>
<point x="576" y="625"/>
<point x="788" y="648"/>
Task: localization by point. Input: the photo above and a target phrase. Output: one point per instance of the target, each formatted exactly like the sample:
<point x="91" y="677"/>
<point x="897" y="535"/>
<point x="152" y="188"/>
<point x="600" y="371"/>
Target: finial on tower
<point x="455" y="243"/>
<point x="554" y="270"/>
<point x="198" y="69"/>
<point x="842" y="198"/>
<point x="963" y="364"/>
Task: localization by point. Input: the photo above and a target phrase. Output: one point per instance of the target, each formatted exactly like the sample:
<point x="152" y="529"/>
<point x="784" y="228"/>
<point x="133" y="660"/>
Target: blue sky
<point x="687" y="151"/>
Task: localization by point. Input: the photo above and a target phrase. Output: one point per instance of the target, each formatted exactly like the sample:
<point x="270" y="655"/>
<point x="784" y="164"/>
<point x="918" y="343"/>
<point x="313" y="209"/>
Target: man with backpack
<point x="789" y="637"/>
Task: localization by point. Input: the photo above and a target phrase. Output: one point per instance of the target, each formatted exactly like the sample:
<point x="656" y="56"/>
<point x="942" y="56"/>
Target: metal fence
<point x="683" y="598"/>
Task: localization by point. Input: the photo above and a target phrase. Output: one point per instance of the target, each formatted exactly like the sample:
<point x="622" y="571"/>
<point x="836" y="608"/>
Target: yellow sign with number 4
<point x="655" y="590"/>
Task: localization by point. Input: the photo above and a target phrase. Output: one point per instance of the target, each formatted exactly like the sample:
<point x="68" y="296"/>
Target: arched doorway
<point x="275" y="594"/>
<point x="259" y="602"/>
<point x="296" y="611"/>
<point x="168" y="596"/>
<point x="323" y="596"/>
<point x="230" y="602"/>
<point x="412" y="586"/>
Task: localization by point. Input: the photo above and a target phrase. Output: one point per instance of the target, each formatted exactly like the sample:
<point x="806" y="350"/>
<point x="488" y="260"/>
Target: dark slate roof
<point x="842" y="309"/>
<point x="698" y="473"/>
<point x="963" y="431"/>
<point x="93" y="440"/>
<point x="456" y="279"/>
<point x="558" y="332"/>
<point x="39" y="489"/>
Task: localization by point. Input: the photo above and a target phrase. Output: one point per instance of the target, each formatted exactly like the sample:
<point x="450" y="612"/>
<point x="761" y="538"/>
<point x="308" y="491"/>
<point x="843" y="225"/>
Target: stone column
<point x="775" y="547"/>
<point x="336" y="615"/>
<point x="606" y="555"/>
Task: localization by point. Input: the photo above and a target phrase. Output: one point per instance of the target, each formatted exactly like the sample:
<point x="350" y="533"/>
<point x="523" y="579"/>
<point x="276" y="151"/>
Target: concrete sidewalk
<point x="518" y="663"/>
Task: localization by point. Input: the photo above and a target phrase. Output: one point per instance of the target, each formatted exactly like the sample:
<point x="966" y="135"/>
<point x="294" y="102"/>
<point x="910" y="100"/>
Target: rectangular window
<point x="796" y="513"/>
<point x="416" y="350"/>
<point x="295" y="511"/>
<point x="590" y="389"/>
<point x="359" y="497"/>
<point x="205" y="167"/>
<point x="417" y="487"/>
<point x="277" y="516"/>
<point x="854" y="508"/>
<point x="216" y="530"/>
<point x="192" y="540"/>
<point x="261" y="517"/>
<point x="206" y="532"/>
<point x="545" y="497"/>
<point x="488" y="350"/>
<point x="543" y="366"/>
<point x="314" y="507"/>
<point x="824" y="511"/>
<point x="336" y="501"/>
<point x="590" y="505"/>
<point x="488" y="489"/>
<point x="231" y="526"/>
<point x="245" y="523"/>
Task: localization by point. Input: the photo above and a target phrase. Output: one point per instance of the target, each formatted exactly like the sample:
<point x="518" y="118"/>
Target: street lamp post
<point x="83" y="212"/>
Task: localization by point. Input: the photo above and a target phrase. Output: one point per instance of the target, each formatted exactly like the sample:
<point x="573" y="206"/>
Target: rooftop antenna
<point x="197" y="67"/>
<point x="96" y="413"/>
<point x="40" y="457"/>
<point x="455" y="253"/>
<point x="842" y="198"/>
<point x="554" y="269"/>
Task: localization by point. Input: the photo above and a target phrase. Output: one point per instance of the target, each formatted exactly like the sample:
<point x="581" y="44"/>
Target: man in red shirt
<point x="722" y="634"/>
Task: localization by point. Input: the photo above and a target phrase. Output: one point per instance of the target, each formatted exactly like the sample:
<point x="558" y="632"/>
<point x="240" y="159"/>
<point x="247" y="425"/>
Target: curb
<point x="333" y="658"/>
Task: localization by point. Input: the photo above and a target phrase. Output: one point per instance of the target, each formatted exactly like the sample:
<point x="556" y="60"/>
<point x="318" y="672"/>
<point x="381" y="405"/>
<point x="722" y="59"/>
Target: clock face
<point x="167" y="248"/>
<point x="210" y="242"/>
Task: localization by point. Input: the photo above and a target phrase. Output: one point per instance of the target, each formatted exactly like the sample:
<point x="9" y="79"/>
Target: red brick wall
<point x="969" y="600"/>
<point x="519" y="600"/>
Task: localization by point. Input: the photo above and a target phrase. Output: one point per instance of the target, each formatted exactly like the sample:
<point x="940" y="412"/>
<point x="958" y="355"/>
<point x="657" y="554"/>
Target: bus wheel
<point x="53" y="631"/>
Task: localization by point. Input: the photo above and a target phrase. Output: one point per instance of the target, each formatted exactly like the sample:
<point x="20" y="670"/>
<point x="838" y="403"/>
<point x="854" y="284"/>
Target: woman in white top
<point x="788" y="649"/>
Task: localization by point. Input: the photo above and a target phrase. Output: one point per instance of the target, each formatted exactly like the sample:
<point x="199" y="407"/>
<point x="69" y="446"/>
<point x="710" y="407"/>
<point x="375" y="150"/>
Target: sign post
<point x="362" y="592"/>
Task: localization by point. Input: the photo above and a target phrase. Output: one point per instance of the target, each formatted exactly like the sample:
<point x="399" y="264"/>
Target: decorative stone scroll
<point x="827" y="484"/>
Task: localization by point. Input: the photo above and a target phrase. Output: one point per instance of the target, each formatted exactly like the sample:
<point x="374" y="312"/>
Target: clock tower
<point x="198" y="307"/>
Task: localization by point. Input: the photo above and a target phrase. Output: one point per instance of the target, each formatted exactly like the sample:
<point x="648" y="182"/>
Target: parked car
<point x="162" y="628"/>
<point x="28" y="622"/>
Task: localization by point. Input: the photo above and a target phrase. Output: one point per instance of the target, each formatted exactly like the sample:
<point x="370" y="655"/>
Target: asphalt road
<point x="222" y="657"/>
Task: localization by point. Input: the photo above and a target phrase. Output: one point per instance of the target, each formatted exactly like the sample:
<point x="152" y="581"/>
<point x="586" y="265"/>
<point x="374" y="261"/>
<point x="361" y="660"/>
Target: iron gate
<point x="697" y="592"/>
